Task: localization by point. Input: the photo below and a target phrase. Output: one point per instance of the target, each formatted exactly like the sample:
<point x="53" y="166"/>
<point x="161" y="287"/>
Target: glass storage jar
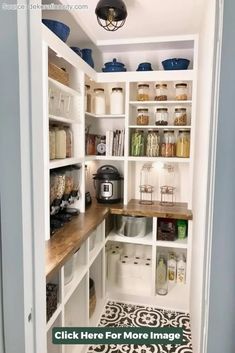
<point x="146" y="184"/>
<point x="60" y="142"/>
<point x="161" y="92"/>
<point x="143" y="92"/>
<point x="69" y="142"/>
<point x="181" y="91"/>
<point x="117" y="101"/>
<point x="52" y="142"/>
<point x="168" y="146"/>
<point x="180" y="116"/>
<point x="183" y="144"/>
<point x="137" y="143"/>
<point x="142" y="116"/>
<point x="87" y="99"/>
<point x="153" y="143"/>
<point x="161" y="275"/>
<point x="99" y="101"/>
<point x="161" y="116"/>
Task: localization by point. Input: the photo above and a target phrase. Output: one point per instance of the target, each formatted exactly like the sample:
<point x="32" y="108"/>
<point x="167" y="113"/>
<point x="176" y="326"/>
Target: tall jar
<point x="87" y="99"/>
<point x="181" y="91"/>
<point x="162" y="282"/>
<point x="168" y="146"/>
<point x="153" y="143"/>
<point x="161" y="116"/>
<point x="52" y="142"/>
<point x="99" y="101"/>
<point x="60" y="142"/>
<point x="183" y="144"/>
<point x="142" y="116"/>
<point x="143" y="92"/>
<point x="161" y="92"/>
<point x="69" y="142"/>
<point x="180" y="116"/>
<point x="117" y="101"/>
<point x="137" y="143"/>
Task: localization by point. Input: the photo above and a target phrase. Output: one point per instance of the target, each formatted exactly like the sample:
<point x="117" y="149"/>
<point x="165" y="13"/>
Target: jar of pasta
<point x="161" y="92"/>
<point x="183" y="144"/>
<point x="137" y="143"/>
<point x="161" y="116"/>
<point x="142" y="116"/>
<point x="153" y="143"/>
<point x="143" y="92"/>
<point x="181" y="91"/>
<point x="180" y="116"/>
<point x="168" y="146"/>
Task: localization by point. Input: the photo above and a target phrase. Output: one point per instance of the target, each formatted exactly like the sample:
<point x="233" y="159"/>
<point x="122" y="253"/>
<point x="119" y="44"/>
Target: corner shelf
<point x="61" y="119"/>
<point x="105" y="116"/>
<point x="57" y="163"/>
<point x="147" y="240"/>
<point x="64" y="88"/>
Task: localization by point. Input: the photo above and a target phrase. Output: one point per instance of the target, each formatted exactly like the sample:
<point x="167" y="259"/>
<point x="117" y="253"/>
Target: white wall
<point x="203" y="117"/>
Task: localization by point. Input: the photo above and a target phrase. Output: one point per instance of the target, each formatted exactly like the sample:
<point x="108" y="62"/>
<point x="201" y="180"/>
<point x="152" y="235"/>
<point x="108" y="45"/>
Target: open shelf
<point x="61" y="119"/>
<point x="57" y="163"/>
<point x="147" y="240"/>
<point x="150" y="103"/>
<point x="177" y="244"/>
<point x="63" y="87"/>
<point x="160" y="127"/>
<point x="175" y="298"/>
<point x="105" y="116"/>
<point x="159" y="159"/>
<point x="104" y="158"/>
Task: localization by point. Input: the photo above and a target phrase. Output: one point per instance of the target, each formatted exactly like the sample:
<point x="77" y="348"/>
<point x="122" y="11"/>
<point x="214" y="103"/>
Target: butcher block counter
<point x="69" y="238"/>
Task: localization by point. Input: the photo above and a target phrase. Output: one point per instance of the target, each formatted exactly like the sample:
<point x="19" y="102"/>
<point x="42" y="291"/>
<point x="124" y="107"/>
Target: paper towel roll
<point x="148" y="252"/>
<point x="129" y="249"/>
<point x="113" y="259"/>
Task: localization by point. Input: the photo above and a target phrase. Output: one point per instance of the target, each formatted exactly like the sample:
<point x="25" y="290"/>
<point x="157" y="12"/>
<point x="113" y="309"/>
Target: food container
<point x="161" y="116"/>
<point x="60" y="29"/>
<point x="142" y="116"/>
<point x="144" y="67"/>
<point x="60" y="143"/>
<point x="117" y="101"/>
<point x="161" y="92"/>
<point x="143" y="92"/>
<point x="52" y="143"/>
<point x="180" y="117"/>
<point x="166" y="229"/>
<point x="137" y="143"/>
<point x="99" y="101"/>
<point x="168" y="146"/>
<point x="131" y="226"/>
<point x="153" y="143"/>
<point x="181" y="91"/>
<point x="183" y="144"/>
<point x="175" y="64"/>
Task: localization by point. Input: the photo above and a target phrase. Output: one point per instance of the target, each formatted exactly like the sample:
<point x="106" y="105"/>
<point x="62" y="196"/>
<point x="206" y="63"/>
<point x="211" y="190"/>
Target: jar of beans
<point x="161" y="92"/>
<point x="143" y="92"/>
<point x="180" y="116"/>
<point x="161" y="116"/>
<point x="168" y="146"/>
<point x="181" y="91"/>
<point x="142" y="116"/>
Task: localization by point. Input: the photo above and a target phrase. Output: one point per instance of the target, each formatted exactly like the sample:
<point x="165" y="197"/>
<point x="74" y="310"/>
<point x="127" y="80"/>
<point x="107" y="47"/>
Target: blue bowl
<point x="59" y="28"/>
<point x="175" y="64"/>
<point x="77" y="50"/>
<point x="114" y="66"/>
<point x="144" y="67"/>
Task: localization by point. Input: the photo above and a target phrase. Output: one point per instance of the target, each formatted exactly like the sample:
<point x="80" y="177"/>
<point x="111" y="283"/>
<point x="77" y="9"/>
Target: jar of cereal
<point x="183" y="144"/>
<point x="143" y="92"/>
<point x="180" y="116"/>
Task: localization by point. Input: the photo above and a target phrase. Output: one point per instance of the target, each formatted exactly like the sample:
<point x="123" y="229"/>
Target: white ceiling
<point x="146" y="18"/>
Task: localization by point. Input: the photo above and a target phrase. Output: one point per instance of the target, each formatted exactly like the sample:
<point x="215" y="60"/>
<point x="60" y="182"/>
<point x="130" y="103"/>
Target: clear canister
<point x="87" y="99"/>
<point x="52" y="142"/>
<point x="161" y="116"/>
<point x="69" y="142"/>
<point x="161" y="278"/>
<point x="168" y="146"/>
<point x="161" y="92"/>
<point x="183" y="144"/>
<point x="180" y="116"/>
<point x="137" y="143"/>
<point x="153" y="143"/>
<point x="99" y="101"/>
<point x="60" y="142"/>
<point x="117" y="101"/>
<point x="143" y="92"/>
<point x="142" y="116"/>
<point x="181" y="91"/>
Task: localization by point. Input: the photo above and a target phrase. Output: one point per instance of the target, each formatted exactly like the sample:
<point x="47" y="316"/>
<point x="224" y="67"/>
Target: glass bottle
<point x="161" y="116"/>
<point x="161" y="92"/>
<point x="117" y="101"/>
<point x="146" y="184"/>
<point x="162" y="284"/>
<point x="181" y="91"/>
<point x="181" y="269"/>
<point x="171" y="268"/>
<point x="142" y="116"/>
<point x="153" y="143"/>
<point x="168" y="146"/>
<point x="60" y="143"/>
<point x="143" y="92"/>
<point x="99" y="101"/>
<point x="183" y="144"/>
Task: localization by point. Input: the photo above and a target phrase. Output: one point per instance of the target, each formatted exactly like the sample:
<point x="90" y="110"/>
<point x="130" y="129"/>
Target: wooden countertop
<point x="69" y="238"/>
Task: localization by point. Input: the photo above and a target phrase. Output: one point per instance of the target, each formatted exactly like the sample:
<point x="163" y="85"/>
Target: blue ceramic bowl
<point x="77" y="50"/>
<point x="114" y="66"/>
<point x="59" y="28"/>
<point x="175" y="64"/>
<point x="144" y="67"/>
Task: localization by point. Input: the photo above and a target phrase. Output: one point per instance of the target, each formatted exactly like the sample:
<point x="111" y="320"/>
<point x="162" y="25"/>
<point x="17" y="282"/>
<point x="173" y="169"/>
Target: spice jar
<point x="161" y="116"/>
<point x="168" y="146"/>
<point x="181" y="90"/>
<point x="52" y="142"/>
<point x="99" y="101"/>
<point x="183" y="144"/>
<point x="161" y="92"/>
<point x="69" y="141"/>
<point x="137" y="143"/>
<point x="153" y="143"/>
<point x="116" y="101"/>
<point x="60" y="142"/>
<point x="142" y="116"/>
<point x="180" y="116"/>
<point x="87" y="99"/>
<point x="143" y="92"/>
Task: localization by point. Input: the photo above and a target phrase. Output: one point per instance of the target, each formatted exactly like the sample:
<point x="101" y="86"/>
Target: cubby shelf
<point x="63" y="120"/>
<point x="64" y="88"/>
<point x="153" y="103"/>
<point x="147" y="240"/>
<point x="177" y="244"/>
<point x="105" y="116"/>
<point x="58" y="163"/>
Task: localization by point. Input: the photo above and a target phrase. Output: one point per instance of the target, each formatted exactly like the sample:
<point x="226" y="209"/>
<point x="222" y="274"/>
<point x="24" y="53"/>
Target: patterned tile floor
<point x="123" y="315"/>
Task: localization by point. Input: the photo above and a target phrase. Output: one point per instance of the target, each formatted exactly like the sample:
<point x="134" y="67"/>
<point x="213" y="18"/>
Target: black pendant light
<point x="111" y="14"/>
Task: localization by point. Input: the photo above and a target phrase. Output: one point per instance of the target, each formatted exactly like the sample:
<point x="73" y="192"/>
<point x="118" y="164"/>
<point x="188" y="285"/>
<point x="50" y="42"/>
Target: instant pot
<point x="108" y="184"/>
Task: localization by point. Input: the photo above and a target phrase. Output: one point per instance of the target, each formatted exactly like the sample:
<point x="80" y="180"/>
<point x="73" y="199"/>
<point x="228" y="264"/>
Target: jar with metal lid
<point x="52" y="142"/>
<point x="168" y="146"/>
<point x="87" y="99"/>
<point x="137" y="143"/>
<point x="181" y="91"/>
<point x="180" y="116"/>
<point x="142" y="116"/>
<point x="99" y="101"/>
<point x="143" y="92"/>
<point x="183" y="144"/>
<point x="153" y="143"/>
<point x="161" y="116"/>
<point x="60" y="142"/>
<point x="161" y="92"/>
<point x="117" y="101"/>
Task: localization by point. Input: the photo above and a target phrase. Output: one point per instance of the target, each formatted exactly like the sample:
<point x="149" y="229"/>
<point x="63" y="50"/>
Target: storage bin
<point x="52" y="294"/>
<point x="131" y="226"/>
<point x="58" y="74"/>
<point x="166" y="229"/>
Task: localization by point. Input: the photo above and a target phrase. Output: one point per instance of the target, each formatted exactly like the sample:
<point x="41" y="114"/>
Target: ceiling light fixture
<point x="111" y="14"/>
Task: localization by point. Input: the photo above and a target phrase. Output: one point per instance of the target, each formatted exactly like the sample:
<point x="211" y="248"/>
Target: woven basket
<point x="58" y="74"/>
<point x="92" y="297"/>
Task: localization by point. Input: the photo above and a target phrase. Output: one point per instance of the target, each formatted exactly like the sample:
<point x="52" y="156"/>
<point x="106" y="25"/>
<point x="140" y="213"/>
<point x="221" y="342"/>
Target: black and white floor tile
<point x="125" y="315"/>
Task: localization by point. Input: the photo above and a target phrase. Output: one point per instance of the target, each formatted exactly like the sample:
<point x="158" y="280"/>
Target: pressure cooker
<point x="108" y="184"/>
